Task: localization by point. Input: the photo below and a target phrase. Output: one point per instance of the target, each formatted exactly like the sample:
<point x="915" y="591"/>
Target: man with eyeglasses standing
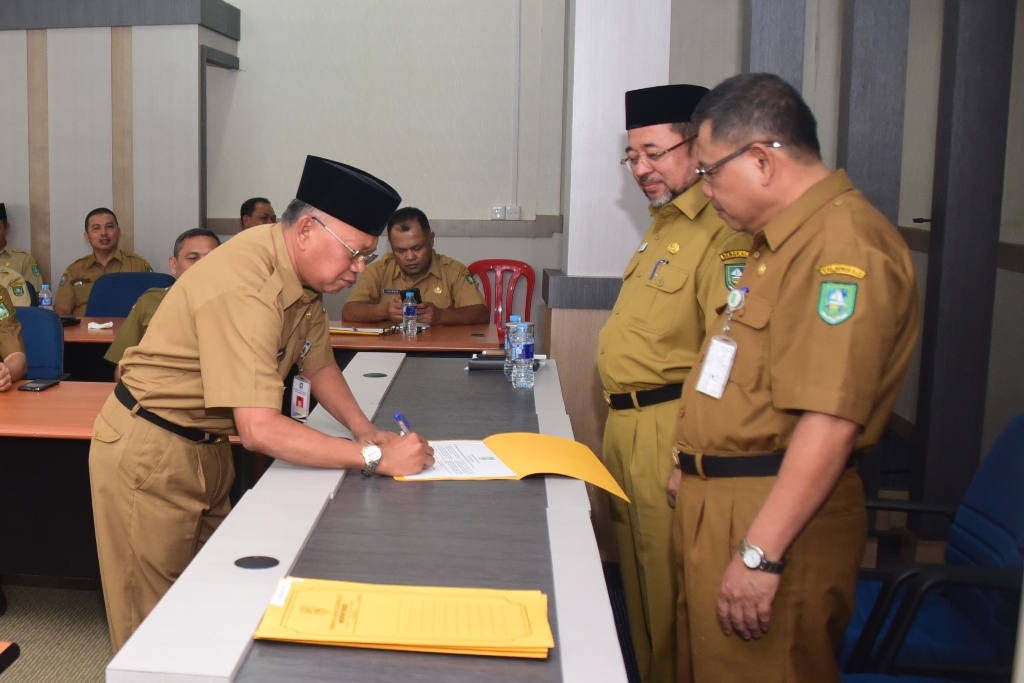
<point x="211" y="365"/>
<point x="797" y="377"/>
<point x="679" y="275"/>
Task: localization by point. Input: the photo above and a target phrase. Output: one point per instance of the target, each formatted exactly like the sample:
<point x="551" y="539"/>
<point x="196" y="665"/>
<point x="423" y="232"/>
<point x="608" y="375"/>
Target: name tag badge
<point x="300" y="398"/>
<point x="714" y="373"/>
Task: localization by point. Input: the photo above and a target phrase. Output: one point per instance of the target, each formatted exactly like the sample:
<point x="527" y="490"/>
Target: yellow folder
<point x="527" y="453"/>
<point x="477" y="621"/>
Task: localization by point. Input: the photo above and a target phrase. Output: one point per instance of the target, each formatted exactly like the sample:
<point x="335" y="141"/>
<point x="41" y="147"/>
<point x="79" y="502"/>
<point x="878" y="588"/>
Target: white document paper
<point x="463" y="460"/>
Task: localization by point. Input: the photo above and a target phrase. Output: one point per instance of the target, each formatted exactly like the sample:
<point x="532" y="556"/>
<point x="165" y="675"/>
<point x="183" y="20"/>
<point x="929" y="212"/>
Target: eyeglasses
<point x="707" y="172"/>
<point x="634" y="160"/>
<point x="356" y="255"/>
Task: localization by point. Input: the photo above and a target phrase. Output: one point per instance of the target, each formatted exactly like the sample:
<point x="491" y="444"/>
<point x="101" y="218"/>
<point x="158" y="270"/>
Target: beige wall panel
<point x="924" y="55"/>
<point x="823" y="44"/>
<point x="78" y="80"/>
<point x="122" y="143"/>
<point x="707" y="41"/>
<point x="618" y="47"/>
<point x="39" y="149"/>
<point x="418" y="93"/>
<point x="165" y="102"/>
<point x="1013" y="186"/>
<point x="14" y="190"/>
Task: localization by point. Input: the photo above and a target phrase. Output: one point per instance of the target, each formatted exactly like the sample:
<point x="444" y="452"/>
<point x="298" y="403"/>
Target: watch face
<point x="371" y="453"/>
<point x="751" y="558"/>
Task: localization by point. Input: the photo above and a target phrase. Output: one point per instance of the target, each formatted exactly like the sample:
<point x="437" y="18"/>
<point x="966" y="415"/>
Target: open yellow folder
<point x="476" y="621"/>
<point x="525" y="453"/>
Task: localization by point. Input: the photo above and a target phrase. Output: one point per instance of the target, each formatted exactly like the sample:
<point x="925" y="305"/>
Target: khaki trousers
<point x="156" y="499"/>
<point x="815" y="599"/>
<point x="638" y="453"/>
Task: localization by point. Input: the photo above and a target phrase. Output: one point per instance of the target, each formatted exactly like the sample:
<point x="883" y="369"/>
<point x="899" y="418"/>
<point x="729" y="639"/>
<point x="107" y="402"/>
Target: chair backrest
<point x="44" y="342"/>
<point x="32" y="293"/>
<point x="988" y="531"/>
<point x="497" y="301"/>
<point x="114" y="294"/>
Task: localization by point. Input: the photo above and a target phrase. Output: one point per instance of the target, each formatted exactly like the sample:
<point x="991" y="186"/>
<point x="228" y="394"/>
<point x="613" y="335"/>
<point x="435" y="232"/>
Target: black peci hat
<point x="3" y="212"/>
<point x="348" y="194"/>
<point x="662" y="104"/>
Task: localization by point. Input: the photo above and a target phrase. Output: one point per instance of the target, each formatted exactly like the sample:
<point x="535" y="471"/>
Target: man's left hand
<point x="745" y="600"/>
<point x="375" y="436"/>
<point x="428" y="314"/>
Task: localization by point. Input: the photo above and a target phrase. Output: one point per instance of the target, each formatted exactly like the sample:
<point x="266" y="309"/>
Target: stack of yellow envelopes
<point x="463" y="621"/>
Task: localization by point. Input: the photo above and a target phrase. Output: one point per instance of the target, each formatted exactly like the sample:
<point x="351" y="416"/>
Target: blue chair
<point x="44" y="342"/>
<point x="114" y="294"/>
<point x="957" y="620"/>
<point x="32" y="293"/>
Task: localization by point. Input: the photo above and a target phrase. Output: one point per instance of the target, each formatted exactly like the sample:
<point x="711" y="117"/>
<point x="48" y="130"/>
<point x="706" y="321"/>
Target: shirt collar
<point x="796" y="214"/>
<point x="690" y="203"/>
<point x="292" y="289"/>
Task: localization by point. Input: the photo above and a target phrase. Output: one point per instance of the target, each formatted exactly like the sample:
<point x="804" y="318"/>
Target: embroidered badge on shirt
<point x="466" y="274"/>
<point x="842" y="269"/>
<point x="4" y="311"/>
<point x="35" y="270"/>
<point x="63" y="278"/>
<point x="18" y="289"/>
<point x="837" y="301"/>
<point x="736" y="253"/>
<point x="733" y="273"/>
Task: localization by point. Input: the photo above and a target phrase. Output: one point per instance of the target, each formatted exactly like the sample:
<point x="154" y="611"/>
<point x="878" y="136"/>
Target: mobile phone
<point x="403" y="292"/>
<point x="39" y="384"/>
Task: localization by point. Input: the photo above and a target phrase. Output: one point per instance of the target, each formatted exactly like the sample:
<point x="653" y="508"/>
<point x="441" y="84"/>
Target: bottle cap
<point x="515" y="318"/>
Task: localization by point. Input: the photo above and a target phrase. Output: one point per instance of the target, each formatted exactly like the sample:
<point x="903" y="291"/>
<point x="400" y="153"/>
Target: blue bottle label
<point x="409" y="310"/>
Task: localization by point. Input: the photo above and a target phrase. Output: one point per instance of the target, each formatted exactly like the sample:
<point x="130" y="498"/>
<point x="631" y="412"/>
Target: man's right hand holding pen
<point x="408" y="453"/>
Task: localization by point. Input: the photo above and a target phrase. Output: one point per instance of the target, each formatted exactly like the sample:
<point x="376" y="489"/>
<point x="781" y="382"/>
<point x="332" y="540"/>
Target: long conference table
<point x="529" y="534"/>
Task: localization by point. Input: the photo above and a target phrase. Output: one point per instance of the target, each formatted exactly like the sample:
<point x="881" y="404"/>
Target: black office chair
<point x="958" y="620"/>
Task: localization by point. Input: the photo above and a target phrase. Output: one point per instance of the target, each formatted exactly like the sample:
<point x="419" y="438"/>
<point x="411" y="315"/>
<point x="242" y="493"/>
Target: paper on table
<point x="477" y="621"/>
<point x="358" y="330"/>
<point x="464" y="460"/>
<point x="526" y="453"/>
<point x="100" y="326"/>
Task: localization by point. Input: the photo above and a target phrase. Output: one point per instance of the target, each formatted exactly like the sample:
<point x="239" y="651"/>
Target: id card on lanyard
<point x="301" y="389"/>
<point x="721" y="353"/>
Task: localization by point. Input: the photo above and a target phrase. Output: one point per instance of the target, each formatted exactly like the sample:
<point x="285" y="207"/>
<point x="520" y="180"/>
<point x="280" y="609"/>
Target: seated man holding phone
<point x="448" y="293"/>
<point x="13" y="364"/>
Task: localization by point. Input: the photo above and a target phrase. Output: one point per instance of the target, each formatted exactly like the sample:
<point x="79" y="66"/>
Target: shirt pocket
<point x="750" y="332"/>
<point x="655" y="305"/>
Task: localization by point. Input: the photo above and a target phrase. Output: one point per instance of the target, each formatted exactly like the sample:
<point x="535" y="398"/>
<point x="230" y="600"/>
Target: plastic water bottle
<point x="46" y="298"/>
<point x="510" y="331"/>
<point x="522" y="370"/>
<point x="409" y="314"/>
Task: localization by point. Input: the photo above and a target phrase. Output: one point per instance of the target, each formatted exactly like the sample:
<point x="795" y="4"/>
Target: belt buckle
<point x="607" y="397"/>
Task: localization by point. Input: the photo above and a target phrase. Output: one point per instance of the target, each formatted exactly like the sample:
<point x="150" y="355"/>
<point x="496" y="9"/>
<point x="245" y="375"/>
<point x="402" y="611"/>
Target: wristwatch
<point x="371" y="456"/>
<point x="753" y="557"/>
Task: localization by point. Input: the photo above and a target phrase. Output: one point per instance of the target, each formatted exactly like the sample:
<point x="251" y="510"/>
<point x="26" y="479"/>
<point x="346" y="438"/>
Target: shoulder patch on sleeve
<point x="735" y="253"/>
<point x="63" y="278"/>
<point x="35" y="270"/>
<point x="842" y="269"/>
<point x="469" y="276"/>
<point x="837" y="300"/>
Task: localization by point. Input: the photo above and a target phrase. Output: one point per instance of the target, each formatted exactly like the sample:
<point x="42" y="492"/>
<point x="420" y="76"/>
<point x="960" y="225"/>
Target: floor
<point x="62" y="634"/>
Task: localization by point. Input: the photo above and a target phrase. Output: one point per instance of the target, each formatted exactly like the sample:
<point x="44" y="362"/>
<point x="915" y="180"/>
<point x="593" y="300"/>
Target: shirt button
<point x="661" y="282"/>
<point x="756" y="254"/>
<point x="657" y="237"/>
<point x="682" y="412"/>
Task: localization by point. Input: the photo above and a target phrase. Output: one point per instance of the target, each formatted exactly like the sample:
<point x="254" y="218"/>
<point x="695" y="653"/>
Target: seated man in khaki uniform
<point x="257" y="211"/>
<point x="13" y="363"/>
<point x="17" y="266"/>
<point x="212" y="364"/>
<point x="103" y="234"/>
<point x="450" y="294"/>
<point x="189" y="248"/>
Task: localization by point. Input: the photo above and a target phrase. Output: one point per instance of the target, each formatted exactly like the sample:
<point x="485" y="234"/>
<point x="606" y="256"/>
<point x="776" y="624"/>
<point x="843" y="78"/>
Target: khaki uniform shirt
<point x="658" y="322"/>
<point x="136" y="323"/>
<point x="227" y="334"/>
<point x="77" y="281"/>
<point x="22" y="262"/>
<point x="10" y="328"/>
<point x="446" y="284"/>
<point x="14" y="282"/>
<point x="829" y="325"/>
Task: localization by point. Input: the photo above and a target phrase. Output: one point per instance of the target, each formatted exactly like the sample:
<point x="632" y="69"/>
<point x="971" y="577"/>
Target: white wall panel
<point x="165" y="87"/>
<point x="81" y="166"/>
<point x="618" y="47"/>
<point x="707" y="41"/>
<point x="14" y="135"/>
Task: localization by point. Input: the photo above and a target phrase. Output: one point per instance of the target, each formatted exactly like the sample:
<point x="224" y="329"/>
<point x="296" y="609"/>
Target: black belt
<point x="190" y="433"/>
<point x="714" y="466"/>
<point x="650" y="397"/>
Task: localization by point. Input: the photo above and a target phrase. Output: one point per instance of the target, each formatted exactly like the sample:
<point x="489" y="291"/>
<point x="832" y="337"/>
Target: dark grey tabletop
<point x="490" y="534"/>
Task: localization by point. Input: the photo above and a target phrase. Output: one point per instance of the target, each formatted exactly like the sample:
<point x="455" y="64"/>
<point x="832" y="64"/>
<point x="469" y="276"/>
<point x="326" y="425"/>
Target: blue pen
<point x="655" y="269"/>
<point x="403" y="425"/>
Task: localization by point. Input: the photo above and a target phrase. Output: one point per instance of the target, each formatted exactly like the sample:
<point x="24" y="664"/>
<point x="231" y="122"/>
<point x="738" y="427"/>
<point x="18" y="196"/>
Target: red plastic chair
<point x="496" y="303"/>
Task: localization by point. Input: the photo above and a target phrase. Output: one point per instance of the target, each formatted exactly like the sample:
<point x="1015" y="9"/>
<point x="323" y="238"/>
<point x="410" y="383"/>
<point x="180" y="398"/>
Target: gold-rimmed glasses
<point x="634" y="159"/>
<point x="356" y="255"/>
